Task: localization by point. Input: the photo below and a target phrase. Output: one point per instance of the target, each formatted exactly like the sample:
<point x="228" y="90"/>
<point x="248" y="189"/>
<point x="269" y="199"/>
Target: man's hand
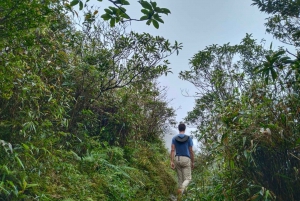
<point x="192" y="165"/>
<point x="172" y="165"/>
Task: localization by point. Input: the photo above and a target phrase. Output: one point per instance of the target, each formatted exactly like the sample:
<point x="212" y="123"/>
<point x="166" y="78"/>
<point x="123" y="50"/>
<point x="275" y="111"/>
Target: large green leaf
<point x="145" y="4"/>
<point x="74" y="2"/>
<point x="155" y="24"/>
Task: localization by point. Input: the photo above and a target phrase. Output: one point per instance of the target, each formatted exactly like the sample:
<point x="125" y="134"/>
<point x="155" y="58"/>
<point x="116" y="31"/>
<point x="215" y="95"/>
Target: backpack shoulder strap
<point x="184" y="139"/>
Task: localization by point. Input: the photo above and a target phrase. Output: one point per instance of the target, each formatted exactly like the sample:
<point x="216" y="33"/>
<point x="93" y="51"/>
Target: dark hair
<point x="181" y="126"/>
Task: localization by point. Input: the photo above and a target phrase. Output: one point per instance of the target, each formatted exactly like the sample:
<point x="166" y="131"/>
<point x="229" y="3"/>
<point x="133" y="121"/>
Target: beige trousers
<point x="183" y="167"/>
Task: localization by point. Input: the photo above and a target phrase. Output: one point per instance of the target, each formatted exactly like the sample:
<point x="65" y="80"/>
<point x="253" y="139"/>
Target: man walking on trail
<point x="182" y="158"/>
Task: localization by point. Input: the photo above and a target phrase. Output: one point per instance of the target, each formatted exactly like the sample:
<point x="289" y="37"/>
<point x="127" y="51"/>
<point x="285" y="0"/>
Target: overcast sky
<point x="197" y="24"/>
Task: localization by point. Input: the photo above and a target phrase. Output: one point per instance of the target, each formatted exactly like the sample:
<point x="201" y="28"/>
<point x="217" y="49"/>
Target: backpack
<point x="182" y="140"/>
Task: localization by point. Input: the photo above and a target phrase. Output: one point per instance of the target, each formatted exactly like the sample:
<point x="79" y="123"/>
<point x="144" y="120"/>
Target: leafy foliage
<point x="117" y="13"/>
<point x="247" y="114"/>
<point x="248" y="125"/>
<point x="284" y="22"/>
<point x="80" y="113"/>
<point x="18" y="16"/>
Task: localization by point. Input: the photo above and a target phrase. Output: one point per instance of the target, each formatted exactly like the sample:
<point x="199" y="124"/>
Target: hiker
<point x="182" y="158"/>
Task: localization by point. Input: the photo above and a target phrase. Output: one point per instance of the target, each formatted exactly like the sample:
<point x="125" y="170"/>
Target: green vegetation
<point x="82" y="117"/>
<point x="117" y="12"/>
<point x="247" y="114"/>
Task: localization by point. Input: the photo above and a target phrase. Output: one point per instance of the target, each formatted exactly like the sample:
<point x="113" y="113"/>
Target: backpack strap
<point x="184" y="139"/>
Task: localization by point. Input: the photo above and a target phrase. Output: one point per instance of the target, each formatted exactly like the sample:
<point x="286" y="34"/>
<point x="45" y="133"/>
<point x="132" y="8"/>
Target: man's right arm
<point x="172" y="156"/>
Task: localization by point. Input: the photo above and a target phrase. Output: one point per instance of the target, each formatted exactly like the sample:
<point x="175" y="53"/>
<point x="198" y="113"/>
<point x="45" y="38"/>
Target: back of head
<point x="181" y="126"/>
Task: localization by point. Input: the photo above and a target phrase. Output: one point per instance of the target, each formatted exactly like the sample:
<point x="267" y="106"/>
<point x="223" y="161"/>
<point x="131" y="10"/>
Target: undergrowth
<point x="136" y="172"/>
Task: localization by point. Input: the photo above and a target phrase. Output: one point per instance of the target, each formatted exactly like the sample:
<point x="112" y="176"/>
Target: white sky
<point x="197" y="24"/>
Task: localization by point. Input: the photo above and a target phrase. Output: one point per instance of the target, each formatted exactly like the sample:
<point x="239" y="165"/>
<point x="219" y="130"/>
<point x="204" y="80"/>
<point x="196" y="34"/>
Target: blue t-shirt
<point x="182" y="148"/>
